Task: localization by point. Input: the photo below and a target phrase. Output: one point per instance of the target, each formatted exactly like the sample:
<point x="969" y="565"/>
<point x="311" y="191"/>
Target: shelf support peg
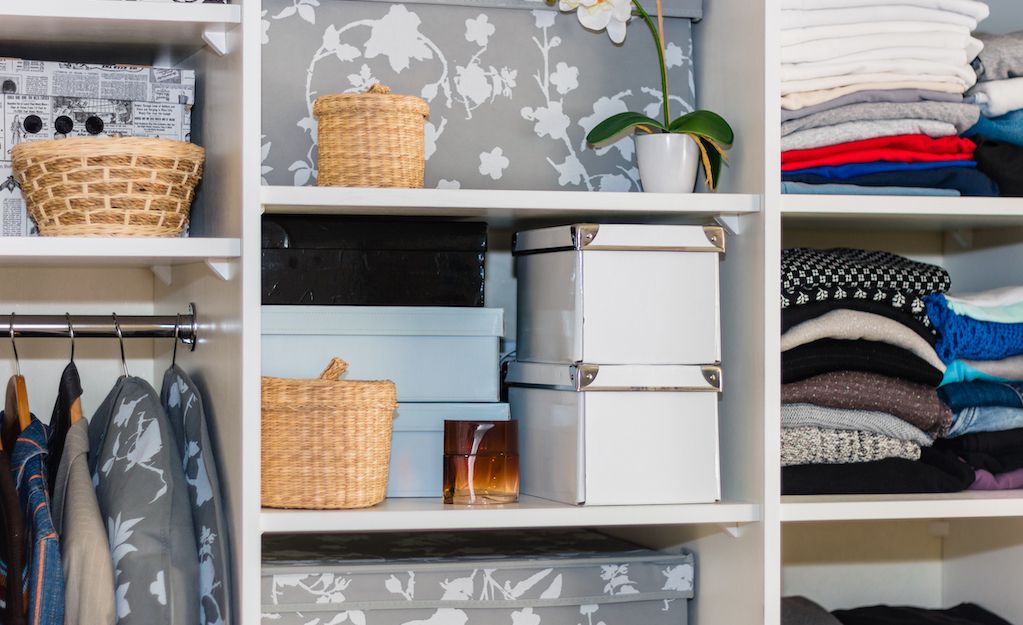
<point x="960" y="237"/>
<point x="940" y="529"/>
<point x="735" y="530"/>
<point x="215" y="37"/>
<point x="163" y="273"/>
<point x="225" y="268"/>
<point x="731" y="223"/>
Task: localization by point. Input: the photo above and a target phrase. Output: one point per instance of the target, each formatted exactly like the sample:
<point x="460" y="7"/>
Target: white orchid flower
<point x="612" y="15"/>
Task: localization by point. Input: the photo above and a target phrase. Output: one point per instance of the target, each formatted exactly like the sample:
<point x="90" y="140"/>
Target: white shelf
<point x="100" y="252"/>
<point x="170" y="26"/>
<point x="501" y="207"/>
<point x="432" y="514"/>
<point x="901" y="212"/>
<point x="969" y="504"/>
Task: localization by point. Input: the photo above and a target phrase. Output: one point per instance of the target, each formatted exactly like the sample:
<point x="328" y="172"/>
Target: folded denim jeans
<point x="961" y="395"/>
<point x="985" y="419"/>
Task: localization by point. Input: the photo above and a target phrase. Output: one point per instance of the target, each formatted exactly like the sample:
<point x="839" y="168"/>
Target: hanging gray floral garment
<point x="184" y="406"/>
<point x="143" y="497"/>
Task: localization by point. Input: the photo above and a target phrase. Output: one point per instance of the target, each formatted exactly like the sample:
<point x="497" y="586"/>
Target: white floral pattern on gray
<point x="545" y="578"/>
<point x="485" y="88"/>
<point x="141" y="491"/>
<point x="183" y="403"/>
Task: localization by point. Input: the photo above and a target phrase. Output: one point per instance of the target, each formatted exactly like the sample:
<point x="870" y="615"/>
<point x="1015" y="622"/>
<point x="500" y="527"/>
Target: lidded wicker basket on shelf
<point x="108" y="186"/>
<point x="326" y="442"/>
<point x="372" y="139"/>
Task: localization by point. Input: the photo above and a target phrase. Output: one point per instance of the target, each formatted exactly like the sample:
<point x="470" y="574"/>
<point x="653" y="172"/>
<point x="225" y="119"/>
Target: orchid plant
<point x="711" y="132"/>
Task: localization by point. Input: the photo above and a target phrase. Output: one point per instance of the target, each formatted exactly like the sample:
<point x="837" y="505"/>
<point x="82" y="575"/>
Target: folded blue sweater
<point x="966" y="338"/>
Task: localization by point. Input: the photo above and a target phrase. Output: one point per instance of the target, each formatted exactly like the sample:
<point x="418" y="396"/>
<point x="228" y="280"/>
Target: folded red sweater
<point x="897" y="148"/>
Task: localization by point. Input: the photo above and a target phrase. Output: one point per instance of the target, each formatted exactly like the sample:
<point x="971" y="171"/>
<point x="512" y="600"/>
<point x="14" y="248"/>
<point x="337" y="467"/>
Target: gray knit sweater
<point x="813" y="445"/>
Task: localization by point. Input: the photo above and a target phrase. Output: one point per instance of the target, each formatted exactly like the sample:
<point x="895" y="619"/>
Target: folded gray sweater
<point x="809" y="415"/>
<point x="962" y="116"/>
<point x="1001" y="58"/>
<point x="812" y="445"/>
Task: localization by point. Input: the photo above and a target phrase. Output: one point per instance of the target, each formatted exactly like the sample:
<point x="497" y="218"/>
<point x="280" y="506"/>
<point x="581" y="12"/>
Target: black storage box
<point x="342" y="260"/>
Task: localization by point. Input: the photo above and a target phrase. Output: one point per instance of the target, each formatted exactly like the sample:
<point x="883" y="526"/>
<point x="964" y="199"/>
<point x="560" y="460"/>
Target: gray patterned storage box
<point x="556" y="577"/>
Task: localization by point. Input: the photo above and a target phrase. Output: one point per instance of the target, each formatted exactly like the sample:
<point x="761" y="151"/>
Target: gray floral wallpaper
<point x="512" y="92"/>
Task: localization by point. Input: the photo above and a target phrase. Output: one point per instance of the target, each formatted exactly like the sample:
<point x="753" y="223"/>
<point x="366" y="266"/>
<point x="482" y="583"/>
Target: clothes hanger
<point x="16" y="405"/>
<point x="76" y="407"/>
<point x="177" y="332"/>
<point x="120" y="339"/>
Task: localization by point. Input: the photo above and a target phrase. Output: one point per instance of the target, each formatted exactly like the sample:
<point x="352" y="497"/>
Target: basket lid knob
<point x="378" y="89"/>
<point x="334" y="370"/>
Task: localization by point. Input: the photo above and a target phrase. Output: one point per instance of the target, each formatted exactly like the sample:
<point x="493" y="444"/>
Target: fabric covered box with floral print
<point x="549" y="577"/>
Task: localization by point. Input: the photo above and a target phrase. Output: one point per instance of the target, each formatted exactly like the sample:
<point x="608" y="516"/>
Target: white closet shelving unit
<point x="755" y="545"/>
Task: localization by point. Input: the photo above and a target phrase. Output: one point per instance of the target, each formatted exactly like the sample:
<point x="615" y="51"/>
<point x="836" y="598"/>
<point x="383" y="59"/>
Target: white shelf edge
<point x="431" y="514"/>
<point x="283" y="199"/>
<point x="968" y="504"/>
<point x="105" y="11"/>
<point x="922" y="207"/>
<point x="126" y="251"/>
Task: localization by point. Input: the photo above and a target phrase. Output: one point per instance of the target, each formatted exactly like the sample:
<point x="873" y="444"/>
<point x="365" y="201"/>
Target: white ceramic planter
<point x="667" y="162"/>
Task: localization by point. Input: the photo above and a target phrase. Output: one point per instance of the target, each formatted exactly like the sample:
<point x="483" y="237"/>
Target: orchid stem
<point x="660" y="58"/>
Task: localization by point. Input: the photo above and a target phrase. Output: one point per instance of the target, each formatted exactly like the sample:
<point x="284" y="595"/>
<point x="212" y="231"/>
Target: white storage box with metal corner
<point x="417" y="448"/>
<point x="619" y="294"/>
<point x="617" y="434"/>
<point x="432" y="354"/>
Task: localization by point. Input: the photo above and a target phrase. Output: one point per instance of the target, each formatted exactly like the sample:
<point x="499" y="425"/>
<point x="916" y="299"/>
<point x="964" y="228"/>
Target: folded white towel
<point x="871" y="15"/>
<point x="803" y="99"/>
<point x="795" y="36"/>
<point x="911" y="67"/>
<point x="973" y="8"/>
<point x="998" y="97"/>
<point x="937" y="46"/>
<point x="957" y="84"/>
<point x="857" y="131"/>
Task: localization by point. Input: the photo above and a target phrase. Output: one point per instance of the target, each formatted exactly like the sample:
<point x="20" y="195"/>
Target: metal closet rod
<point x="185" y="326"/>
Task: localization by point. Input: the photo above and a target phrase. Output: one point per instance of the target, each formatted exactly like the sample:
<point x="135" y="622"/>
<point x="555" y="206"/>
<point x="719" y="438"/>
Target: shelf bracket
<point x="163" y="273"/>
<point x="731" y="223"/>
<point x="735" y="530"/>
<point x="961" y="237"/>
<point x="225" y="268"/>
<point x="215" y="37"/>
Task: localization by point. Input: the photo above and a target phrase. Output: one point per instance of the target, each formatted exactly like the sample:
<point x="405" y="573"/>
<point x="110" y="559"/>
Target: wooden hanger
<point x="76" y="407"/>
<point x="17" y="416"/>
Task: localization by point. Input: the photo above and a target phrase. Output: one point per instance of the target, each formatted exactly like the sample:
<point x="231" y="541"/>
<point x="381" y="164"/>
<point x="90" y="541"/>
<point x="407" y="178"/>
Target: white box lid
<point x="424" y="417"/>
<point x="587" y="377"/>
<point x="383" y="320"/>
<point x="620" y="237"/>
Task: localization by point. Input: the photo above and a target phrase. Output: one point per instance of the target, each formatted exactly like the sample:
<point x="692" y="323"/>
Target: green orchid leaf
<point x="712" y="156"/>
<point x="705" y="124"/>
<point x="617" y="126"/>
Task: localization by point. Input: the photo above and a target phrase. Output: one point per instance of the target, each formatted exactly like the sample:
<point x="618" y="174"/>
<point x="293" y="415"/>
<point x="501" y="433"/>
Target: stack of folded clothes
<point x="802" y="611"/>
<point x="981" y="342"/>
<point x="999" y="93"/>
<point x="860" y="372"/>
<point x="872" y="97"/>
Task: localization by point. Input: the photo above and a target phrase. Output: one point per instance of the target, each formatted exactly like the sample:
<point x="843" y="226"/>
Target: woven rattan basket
<point x="326" y="442"/>
<point x="108" y="186"/>
<point x="372" y="139"/>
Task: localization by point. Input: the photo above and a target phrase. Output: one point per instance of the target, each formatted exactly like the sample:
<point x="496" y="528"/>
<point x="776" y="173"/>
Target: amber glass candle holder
<point x="481" y="462"/>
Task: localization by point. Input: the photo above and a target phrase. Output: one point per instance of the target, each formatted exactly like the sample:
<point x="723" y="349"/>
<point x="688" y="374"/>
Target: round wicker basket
<point x="372" y="139"/>
<point x="326" y="443"/>
<point x="108" y="186"/>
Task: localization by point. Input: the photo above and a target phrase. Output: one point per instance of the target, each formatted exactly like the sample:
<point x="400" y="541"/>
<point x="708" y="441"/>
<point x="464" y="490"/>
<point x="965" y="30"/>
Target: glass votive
<point x="481" y="462"/>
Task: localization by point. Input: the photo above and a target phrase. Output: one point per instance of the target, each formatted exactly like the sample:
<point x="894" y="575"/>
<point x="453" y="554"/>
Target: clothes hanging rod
<point x="184" y="326"/>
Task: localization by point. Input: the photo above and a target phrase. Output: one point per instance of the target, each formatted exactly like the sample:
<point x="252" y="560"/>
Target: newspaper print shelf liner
<point x="512" y="92"/>
<point x="40" y="98"/>
<point x="566" y="577"/>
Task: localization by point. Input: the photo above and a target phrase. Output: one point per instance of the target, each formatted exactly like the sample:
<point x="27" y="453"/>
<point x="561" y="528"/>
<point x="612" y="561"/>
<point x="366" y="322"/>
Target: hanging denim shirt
<point x="12" y="556"/>
<point x="46" y="575"/>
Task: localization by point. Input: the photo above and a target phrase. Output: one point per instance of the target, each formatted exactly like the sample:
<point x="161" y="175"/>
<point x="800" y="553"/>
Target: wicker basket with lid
<point x="372" y="139"/>
<point x="108" y="186"/>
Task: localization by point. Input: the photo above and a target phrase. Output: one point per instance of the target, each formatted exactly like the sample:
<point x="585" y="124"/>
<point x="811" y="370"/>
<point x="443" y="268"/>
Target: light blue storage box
<point x="431" y="354"/>
<point x="417" y="447"/>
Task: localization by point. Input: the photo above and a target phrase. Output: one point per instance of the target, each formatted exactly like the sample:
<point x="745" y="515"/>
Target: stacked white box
<point x="617" y="373"/>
